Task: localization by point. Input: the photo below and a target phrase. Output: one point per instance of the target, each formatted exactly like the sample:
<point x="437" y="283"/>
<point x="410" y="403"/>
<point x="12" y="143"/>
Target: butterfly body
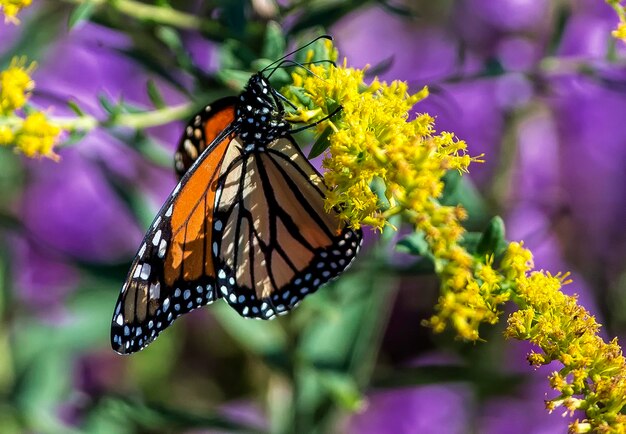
<point x="246" y="223"/>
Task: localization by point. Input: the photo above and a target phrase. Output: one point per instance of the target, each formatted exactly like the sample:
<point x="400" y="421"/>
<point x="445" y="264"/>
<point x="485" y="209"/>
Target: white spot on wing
<point x="157" y="238"/>
<point x="145" y="271"/>
<point x="162" y="248"/>
<point x="155" y="291"/>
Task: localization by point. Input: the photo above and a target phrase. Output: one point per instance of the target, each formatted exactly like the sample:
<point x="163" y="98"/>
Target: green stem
<point x="87" y="123"/>
<point x="159" y="14"/>
<point x="152" y="118"/>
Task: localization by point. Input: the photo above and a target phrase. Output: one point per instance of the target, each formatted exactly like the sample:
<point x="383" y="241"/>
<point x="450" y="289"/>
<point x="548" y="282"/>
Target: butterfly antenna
<point x="306" y="127"/>
<point x="328" y="37"/>
<point x="301" y="65"/>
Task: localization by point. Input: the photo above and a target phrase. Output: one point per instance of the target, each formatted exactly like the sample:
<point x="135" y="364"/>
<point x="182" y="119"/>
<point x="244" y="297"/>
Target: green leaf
<point x="232" y="78"/>
<point x="302" y="96"/>
<point x="492" y="240"/>
<point x="469" y="241"/>
<point x="321" y="144"/>
<point x="274" y="44"/>
<point x="396" y="9"/>
<point x="264" y="338"/>
<point x="563" y="15"/>
<point x="73" y="105"/>
<point x="342" y="389"/>
<point x="380" y="67"/>
<point x="414" y="244"/>
<point x="322" y="14"/>
<point x="233" y="15"/>
<point x="490" y="382"/>
<point x="159" y="417"/>
<point x="108" y="105"/>
<point x="36" y="33"/>
<point x="459" y="190"/>
<point x="155" y="95"/>
<point x="83" y="12"/>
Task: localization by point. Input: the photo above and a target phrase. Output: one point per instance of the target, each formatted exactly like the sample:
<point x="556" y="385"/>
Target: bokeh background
<point x="538" y="86"/>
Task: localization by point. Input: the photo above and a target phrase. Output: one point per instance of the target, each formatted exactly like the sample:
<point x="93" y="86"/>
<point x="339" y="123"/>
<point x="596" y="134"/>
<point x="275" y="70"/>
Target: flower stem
<point x="161" y="15"/>
<point x="87" y="123"/>
<point x="151" y="118"/>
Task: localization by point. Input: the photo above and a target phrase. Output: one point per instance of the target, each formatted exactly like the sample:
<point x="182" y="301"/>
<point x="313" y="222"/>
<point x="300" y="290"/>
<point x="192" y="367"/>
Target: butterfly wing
<point x="173" y="272"/>
<point x="275" y="241"/>
<point x="201" y="131"/>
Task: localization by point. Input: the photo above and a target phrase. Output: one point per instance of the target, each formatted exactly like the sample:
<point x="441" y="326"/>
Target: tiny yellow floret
<point x="37" y="136"/>
<point x="11" y="8"/>
<point x="15" y="85"/>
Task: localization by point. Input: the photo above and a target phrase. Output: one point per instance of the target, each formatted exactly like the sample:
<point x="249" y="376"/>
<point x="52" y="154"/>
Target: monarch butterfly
<point x="245" y="223"/>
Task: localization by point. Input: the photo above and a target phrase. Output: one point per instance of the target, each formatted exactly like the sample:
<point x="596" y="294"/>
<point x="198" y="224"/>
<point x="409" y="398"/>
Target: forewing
<point x="173" y="272"/>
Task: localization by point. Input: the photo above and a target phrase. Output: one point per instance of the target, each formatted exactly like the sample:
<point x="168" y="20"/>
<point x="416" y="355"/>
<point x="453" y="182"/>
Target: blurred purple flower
<point x="417" y="54"/>
<point x="41" y="280"/>
<point x="425" y="55"/>
<point x="523" y="413"/>
<point x="68" y="206"/>
<point x="424" y="410"/>
<point x="589" y="119"/>
<point x="506" y="15"/>
<point x="94" y="375"/>
<point x="98" y="373"/>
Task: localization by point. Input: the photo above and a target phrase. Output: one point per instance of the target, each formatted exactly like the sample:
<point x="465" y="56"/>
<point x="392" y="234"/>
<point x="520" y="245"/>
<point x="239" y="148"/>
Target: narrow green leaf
<point x="321" y="144"/>
<point x="73" y="105"/>
<point x="303" y="98"/>
<point x="397" y="9"/>
<point x="470" y="241"/>
<point x="234" y="79"/>
<point x="274" y="44"/>
<point x="159" y="417"/>
<point x="379" y="188"/>
<point x="380" y="67"/>
<point x="342" y="389"/>
<point x="81" y="13"/>
<point x="261" y="337"/>
<point x="108" y="105"/>
<point x="155" y="95"/>
<point x="492" y="240"/>
<point x="414" y="244"/>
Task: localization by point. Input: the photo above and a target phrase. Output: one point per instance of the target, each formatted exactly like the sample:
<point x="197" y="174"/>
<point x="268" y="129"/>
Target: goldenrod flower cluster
<point x="32" y="134"/>
<point x="372" y="138"/>
<point x="11" y="8"/>
<point x="620" y="31"/>
<point x="593" y="374"/>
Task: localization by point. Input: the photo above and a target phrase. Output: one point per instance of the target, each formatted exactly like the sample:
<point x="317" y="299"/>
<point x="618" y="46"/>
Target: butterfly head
<point x="260" y="113"/>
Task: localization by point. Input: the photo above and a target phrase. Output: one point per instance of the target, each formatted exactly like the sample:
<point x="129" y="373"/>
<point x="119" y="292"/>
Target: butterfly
<point x="246" y="223"/>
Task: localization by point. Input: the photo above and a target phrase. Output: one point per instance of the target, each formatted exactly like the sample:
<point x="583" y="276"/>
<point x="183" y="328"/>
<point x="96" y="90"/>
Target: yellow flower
<point x="620" y="32"/>
<point x="15" y="85"/>
<point x="373" y="141"/>
<point x="37" y="136"/>
<point x="6" y="135"/>
<point x="11" y="8"/>
<point x="33" y="135"/>
<point x="373" y="138"/>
